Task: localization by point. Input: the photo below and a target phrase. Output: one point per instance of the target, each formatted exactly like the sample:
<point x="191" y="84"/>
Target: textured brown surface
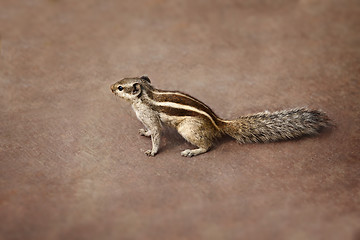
<point x="72" y="164"/>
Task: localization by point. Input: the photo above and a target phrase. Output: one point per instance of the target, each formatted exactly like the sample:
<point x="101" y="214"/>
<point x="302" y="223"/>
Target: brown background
<point x="72" y="164"/>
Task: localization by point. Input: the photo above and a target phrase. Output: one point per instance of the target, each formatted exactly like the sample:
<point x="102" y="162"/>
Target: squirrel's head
<point x="131" y="88"/>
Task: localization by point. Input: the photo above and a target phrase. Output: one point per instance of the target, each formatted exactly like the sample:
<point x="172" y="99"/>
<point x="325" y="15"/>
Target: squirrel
<point x="200" y="126"/>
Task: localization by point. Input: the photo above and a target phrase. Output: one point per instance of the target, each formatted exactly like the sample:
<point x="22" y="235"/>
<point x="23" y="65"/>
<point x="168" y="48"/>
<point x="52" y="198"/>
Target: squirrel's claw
<point x="149" y="153"/>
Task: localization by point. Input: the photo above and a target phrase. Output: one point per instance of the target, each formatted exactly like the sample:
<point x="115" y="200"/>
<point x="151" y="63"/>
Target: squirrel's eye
<point x="120" y="88"/>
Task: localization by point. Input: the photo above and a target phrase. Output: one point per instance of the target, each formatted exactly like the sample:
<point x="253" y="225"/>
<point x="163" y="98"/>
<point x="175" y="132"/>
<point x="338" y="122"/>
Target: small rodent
<point x="200" y="126"/>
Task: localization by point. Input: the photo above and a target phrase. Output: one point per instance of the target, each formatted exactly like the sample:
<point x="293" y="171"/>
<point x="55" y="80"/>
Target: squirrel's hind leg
<point x="197" y="134"/>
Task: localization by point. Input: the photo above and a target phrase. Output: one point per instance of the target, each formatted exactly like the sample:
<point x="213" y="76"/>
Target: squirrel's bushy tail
<point x="281" y="125"/>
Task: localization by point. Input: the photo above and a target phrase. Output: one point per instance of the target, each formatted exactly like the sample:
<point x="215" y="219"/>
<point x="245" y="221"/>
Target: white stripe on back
<point x="184" y="107"/>
<point x="183" y="95"/>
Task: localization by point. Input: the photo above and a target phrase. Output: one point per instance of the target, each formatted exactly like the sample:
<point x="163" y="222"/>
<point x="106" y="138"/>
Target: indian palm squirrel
<point x="200" y="126"/>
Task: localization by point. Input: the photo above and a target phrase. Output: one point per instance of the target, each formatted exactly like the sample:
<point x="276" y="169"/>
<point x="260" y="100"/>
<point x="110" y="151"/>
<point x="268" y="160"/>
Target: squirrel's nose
<point x="112" y="87"/>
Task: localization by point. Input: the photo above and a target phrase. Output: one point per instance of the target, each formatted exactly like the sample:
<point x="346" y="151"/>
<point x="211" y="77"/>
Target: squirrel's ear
<point x="146" y="78"/>
<point x="136" y="89"/>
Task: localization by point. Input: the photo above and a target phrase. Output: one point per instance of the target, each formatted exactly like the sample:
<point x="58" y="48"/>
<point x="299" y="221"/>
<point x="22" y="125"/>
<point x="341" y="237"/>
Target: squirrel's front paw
<point x="144" y="132"/>
<point x="149" y="153"/>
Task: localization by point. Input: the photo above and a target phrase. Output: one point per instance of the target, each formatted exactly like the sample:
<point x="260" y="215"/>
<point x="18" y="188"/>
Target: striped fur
<point x="199" y="125"/>
<point x="179" y="104"/>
